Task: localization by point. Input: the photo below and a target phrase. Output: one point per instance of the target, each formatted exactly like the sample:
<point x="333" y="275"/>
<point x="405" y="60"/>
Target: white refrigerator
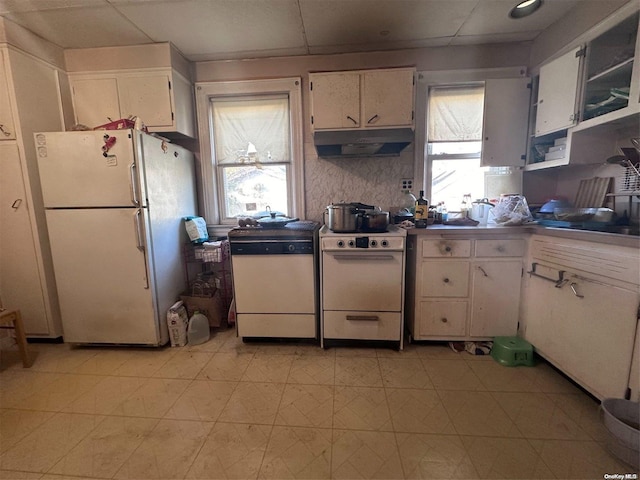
<point x="114" y="204"/>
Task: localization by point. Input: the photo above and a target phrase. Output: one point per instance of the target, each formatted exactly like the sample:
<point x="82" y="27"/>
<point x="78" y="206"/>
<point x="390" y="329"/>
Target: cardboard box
<point x="210" y="306"/>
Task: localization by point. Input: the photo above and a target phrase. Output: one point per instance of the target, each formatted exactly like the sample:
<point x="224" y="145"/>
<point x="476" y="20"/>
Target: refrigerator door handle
<point x="140" y="243"/>
<point x="132" y="184"/>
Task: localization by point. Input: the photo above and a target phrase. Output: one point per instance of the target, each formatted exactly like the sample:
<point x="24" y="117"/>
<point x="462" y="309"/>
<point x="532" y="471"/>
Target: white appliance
<point x="114" y="204"/>
<point x="275" y="280"/>
<point x="362" y="278"/>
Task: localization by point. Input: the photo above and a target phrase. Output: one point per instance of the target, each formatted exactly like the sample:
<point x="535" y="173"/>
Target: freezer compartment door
<point x="101" y="270"/>
<point x="75" y="173"/>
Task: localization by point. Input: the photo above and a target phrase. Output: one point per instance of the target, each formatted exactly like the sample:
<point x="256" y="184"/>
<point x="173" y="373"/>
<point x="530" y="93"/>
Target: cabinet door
<point x="557" y="93"/>
<point x="335" y="100"/>
<point x="506" y="116"/>
<point x="442" y="319"/>
<point x="495" y="298"/>
<point x="95" y="100"/>
<point x="388" y="98"/>
<point x="20" y="285"/>
<point x="7" y="130"/>
<point x="148" y="97"/>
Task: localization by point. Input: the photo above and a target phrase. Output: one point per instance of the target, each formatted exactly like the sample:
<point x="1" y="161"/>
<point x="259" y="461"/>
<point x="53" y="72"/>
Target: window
<point x="454" y="133"/>
<point x="251" y="148"/>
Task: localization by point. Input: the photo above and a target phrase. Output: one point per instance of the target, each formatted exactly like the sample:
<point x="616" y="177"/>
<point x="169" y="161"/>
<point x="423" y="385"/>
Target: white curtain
<point x="455" y="114"/>
<point x="251" y="130"/>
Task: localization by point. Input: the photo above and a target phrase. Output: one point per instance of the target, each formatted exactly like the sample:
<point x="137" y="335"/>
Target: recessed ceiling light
<point x="525" y="8"/>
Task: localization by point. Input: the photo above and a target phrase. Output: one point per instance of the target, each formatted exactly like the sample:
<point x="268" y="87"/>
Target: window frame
<point x="211" y="193"/>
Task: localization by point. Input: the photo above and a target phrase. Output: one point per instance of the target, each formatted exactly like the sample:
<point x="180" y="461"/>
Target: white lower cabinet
<point x="463" y="288"/>
<point x="581" y="313"/>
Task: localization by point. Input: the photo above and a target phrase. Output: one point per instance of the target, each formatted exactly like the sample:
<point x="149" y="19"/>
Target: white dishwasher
<point x="362" y="278"/>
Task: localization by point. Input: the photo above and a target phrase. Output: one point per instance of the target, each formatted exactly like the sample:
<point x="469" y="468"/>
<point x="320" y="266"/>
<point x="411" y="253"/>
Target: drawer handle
<point x="443" y="320"/>
<point x="447" y="249"/>
<point x="445" y="280"/>
<point x="574" y="290"/>
<point x="500" y="248"/>
<point x="367" y="318"/>
<point x="352" y="119"/>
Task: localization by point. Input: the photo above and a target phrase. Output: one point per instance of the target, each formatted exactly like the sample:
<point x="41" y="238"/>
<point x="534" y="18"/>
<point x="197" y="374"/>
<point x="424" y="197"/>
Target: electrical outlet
<point x="407" y="184"/>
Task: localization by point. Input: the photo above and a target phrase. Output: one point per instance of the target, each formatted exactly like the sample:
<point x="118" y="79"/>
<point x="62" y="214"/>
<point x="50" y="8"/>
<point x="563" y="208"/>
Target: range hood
<point x="362" y="143"/>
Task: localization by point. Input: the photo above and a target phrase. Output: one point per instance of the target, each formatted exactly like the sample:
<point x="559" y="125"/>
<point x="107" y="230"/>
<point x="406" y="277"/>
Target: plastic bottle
<point x="465" y="206"/>
<point x="198" y="331"/>
<point x="408" y="201"/>
<point x="422" y="211"/>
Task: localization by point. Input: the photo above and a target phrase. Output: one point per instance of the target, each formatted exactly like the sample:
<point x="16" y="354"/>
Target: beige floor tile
<point x="359" y="454"/>
<point x="17" y="424"/>
<point x="268" y="368"/>
<point x="184" y="364"/>
<point x="15" y="475"/>
<point x="306" y="406"/>
<point x="404" y="373"/>
<point x="537" y="416"/>
<point x="253" y="403"/>
<point x="236" y="345"/>
<point x="105" y="396"/>
<point x="477" y="413"/>
<point x="358" y="371"/>
<point x="231" y="451"/>
<point x="451" y="375"/>
<point x="577" y="459"/>
<point x="498" y="378"/>
<point x="15" y="386"/>
<point x="583" y="410"/>
<point x="438" y="351"/>
<point x="418" y="411"/>
<point x="60" y="358"/>
<point x="53" y="476"/>
<point x="145" y="363"/>
<point x="228" y="366"/>
<point x="167" y="452"/>
<point x="409" y="350"/>
<point x="505" y="458"/>
<point x="106" y="448"/>
<point x="313" y="370"/>
<point x="361" y="408"/>
<point x="277" y="348"/>
<point x="202" y="400"/>
<point x="434" y="456"/>
<point x="217" y="338"/>
<point x="106" y="361"/>
<point x="153" y="398"/>
<point x="60" y="393"/>
<point x="549" y="380"/>
<point x="47" y="444"/>
<point x="355" y="352"/>
<point x="295" y="452"/>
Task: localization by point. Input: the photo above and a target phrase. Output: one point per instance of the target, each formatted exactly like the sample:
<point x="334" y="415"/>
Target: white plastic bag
<point x="511" y="210"/>
<point x="196" y="229"/>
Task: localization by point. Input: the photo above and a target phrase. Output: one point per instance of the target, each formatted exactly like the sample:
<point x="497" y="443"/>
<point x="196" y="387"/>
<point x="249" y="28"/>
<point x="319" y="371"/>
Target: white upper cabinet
<point x="506" y="105"/>
<point x="557" y="93"/>
<point x="362" y="99"/>
<point x="7" y="130"/>
<point x="150" y="95"/>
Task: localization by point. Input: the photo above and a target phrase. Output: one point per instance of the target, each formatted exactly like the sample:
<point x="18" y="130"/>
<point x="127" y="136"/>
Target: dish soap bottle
<point x="198" y="331"/>
<point x="422" y="211"/>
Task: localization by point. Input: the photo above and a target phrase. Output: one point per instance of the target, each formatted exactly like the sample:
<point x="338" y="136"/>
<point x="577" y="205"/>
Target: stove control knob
<point x="291" y="247"/>
<point x="351" y="243"/>
<point x="374" y="243"/>
<point x="340" y="243"/>
<point x="384" y="243"/>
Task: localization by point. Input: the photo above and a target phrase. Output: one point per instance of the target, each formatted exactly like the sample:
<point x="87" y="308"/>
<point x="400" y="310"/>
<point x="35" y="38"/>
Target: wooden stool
<point x="13" y="319"/>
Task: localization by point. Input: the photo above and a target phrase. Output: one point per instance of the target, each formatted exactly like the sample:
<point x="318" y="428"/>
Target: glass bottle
<point x="422" y="211"/>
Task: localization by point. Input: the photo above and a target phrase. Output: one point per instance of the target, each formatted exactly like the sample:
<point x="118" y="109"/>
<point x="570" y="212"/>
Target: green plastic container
<point x="512" y="351"/>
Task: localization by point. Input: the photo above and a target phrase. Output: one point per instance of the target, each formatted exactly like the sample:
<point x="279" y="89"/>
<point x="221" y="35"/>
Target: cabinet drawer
<point x="362" y="325"/>
<point x="446" y="248"/>
<point x="448" y="319"/>
<point x="445" y="279"/>
<point x="500" y="248"/>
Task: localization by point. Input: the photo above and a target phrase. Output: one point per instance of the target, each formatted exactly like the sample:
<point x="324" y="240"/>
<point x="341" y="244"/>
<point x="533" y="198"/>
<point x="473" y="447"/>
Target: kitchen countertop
<point x="585" y="235"/>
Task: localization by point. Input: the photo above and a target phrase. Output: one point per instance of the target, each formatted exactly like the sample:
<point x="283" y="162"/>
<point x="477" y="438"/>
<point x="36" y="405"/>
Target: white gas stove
<point x="362" y="278"/>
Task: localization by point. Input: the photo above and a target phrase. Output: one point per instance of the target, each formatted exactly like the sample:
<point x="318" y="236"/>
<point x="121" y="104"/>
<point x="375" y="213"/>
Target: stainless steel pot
<point x="374" y="221"/>
<point x="343" y="217"/>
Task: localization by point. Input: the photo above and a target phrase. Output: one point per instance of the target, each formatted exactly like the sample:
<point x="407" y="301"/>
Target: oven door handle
<point x="351" y="256"/>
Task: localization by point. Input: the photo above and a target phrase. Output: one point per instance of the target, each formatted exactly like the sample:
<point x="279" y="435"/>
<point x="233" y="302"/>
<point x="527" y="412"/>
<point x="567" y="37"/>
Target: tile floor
<point x="228" y="409"/>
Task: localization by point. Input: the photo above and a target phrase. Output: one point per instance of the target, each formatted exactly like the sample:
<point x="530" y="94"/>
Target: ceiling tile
<point x="356" y="22"/>
<point x="494" y="38"/>
<point x="380" y="46"/>
<point x="492" y="16"/>
<point x="81" y="27"/>
<point x="8" y="6"/>
<point x="220" y="26"/>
